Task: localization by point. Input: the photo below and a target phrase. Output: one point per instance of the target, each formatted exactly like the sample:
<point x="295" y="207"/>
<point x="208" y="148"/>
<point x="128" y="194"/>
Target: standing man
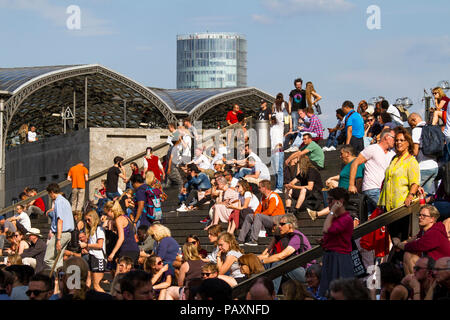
<point x="192" y="132"/>
<point x="62" y="225"/>
<point x="428" y="164"/>
<point x="297" y="101"/>
<point x="112" y="178"/>
<point x="376" y="158"/>
<point x="354" y="127"/>
<point x="78" y="174"/>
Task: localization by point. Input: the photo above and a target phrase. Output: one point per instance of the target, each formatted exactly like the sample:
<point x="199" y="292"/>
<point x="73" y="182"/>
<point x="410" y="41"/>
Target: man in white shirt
<point x="377" y="158"/>
<point x="201" y="160"/>
<point x="428" y="164"/>
<point x="32" y="135"/>
<point x="185" y="145"/>
<point x="22" y="217"/>
<point x="258" y="166"/>
<point x="393" y="111"/>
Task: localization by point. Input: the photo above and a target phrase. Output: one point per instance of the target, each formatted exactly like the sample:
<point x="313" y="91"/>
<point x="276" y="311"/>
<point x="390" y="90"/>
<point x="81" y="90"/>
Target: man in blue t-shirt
<point x="140" y="198"/>
<point x="354" y="127"/>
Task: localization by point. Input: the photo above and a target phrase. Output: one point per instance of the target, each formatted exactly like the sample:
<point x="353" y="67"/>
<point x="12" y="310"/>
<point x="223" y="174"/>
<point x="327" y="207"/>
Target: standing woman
<point x="441" y="103"/>
<point x="23" y="133"/>
<point x="247" y="205"/>
<point x="96" y="247"/>
<point x="312" y="97"/>
<point x="337" y="241"/>
<point x="276" y="140"/>
<point x="152" y="163"/>
<point x="401" y="182"/>
<point x="228" y="255"/>
<point x="126" y="245"/>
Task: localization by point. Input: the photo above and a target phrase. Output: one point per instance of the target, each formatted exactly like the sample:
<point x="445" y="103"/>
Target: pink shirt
<point x="375" y="167"/>
<point x="339" y="235"/>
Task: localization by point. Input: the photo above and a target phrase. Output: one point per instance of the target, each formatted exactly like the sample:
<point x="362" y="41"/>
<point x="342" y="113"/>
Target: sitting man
<point x="34" y="255"/>
<point x="194" y="189"/>
<point x="431" y="240"/>
<point x="342" y="180"/>
<point x="271" y="205"/>
<point x="200" y="160"/>
<point x="255" y="170"/>
<point x="441" y="286"/>
<point x="420" y="281"/>
<point x="35" y="207"/>
<point x="310" y="148"/>
<point x="314" y="127"/>
<point x="137" y="285"/>
<point x="293" y="242"/>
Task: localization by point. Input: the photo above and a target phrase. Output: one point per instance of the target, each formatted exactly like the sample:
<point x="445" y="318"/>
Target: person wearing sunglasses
<point x="420" y="281"/>
<point x="211" y="271"/>
<point x="162" y="276"/>
<point x="431" y="240"/>
<point x="40" y="287"/>
<point x="440" y="288"/>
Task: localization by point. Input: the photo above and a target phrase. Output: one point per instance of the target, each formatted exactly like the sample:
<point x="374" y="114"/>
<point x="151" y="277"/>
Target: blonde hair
<point x="309" y="89"/>
<point x="115" y="207"/>
<point x="159" y="232"/>
<point x="90" y="230"/>
<point x="440" y="91"/>
<point x="190" y="252"/>
<point x="231" y="240"/>
<point x="78" y="215"/>
<point x="304" y="163"/>
<point x="149" y="178"/>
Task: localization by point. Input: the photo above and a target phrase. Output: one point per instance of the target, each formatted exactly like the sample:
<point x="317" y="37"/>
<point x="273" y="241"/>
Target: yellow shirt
<point x="401" y="174"/>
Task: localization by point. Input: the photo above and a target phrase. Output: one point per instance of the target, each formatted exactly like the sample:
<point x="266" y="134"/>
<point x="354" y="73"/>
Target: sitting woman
<point x="250" y="265"/>
<point x="310" y="184"/>
<point x="190" y="269"/>
<point x="295" y="290"/>
<point x="247" y="205"/>
<point x="18" y="243"/>
<point x="441" y="103"/>
<point x="343" y="179"/>
<point x="228" y="255"/>
<point x="161" y="276"/>
<point x="166" y="247"/>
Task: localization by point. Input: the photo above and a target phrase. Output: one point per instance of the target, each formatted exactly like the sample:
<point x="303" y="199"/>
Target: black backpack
<point x="74" y="244"/>
<point x="433" y="141"/>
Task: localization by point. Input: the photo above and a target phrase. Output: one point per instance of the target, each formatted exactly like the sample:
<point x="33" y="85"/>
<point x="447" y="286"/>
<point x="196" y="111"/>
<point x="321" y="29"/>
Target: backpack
<point x="74" y="244"/>
<point x="432" y="141"/>
<point x="404" y="114"/>
<point x="152" y="207"/>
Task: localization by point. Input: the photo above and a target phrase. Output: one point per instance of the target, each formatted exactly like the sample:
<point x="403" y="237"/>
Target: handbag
<point x="319" y="110"/>
<point x="359" y="269"/>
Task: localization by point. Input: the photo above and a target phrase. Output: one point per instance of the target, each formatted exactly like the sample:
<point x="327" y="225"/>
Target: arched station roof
<point x="33" y="94"/>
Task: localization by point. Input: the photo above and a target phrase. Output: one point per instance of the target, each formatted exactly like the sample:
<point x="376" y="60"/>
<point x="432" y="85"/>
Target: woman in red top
<point x="336" y="241"/>
<point x="441" y="103"/>
<point x="152" y="163"/>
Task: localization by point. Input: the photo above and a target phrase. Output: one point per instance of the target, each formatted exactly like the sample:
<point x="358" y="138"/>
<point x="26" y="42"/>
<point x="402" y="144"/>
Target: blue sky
<point x="323" y="41"/>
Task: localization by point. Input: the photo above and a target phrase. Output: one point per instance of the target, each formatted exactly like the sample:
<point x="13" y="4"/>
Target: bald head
<point x="262" y="289"/>
<point x="442" y="271"/>
<point x="414" y="119"/>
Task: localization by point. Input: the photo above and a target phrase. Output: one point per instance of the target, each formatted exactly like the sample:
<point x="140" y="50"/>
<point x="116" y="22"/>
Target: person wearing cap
<point x="264" y="112"/>
<point x="34" y="255"/>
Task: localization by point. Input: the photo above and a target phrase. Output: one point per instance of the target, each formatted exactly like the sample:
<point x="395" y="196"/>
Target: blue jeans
<point x="373" y="196"/>
<point x="296" y="274"/>
<point x="295" y="117"/>
<point x="299" y="139"/>
<point x="332" y="139"/>
<point x="112" y="195"/>
<point x="277" y="160"/>
<point x="242" y="173"/>
<point x="430" y="175"/>
<point x="182" y="198"/>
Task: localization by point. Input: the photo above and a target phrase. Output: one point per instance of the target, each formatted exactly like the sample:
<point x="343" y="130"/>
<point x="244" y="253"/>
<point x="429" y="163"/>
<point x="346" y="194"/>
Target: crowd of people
<point x="385" y="165"/>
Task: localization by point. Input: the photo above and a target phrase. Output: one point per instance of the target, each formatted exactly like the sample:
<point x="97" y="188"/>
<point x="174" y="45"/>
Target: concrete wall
<point x="106" y="143"/>
<point x="40" y="163"/>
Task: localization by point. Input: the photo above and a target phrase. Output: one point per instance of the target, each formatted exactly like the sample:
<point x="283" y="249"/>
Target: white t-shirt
<point x="375" y="167"/>
<point x="186" y="150"/>
<point x="254" y="202"/>
<point x="264" y="173"/>
<point x="24" y="220"/>
<point x="202" y="162"/>
<point x="425" y="162"/>
<point x="99" y="234"/>
<point x="393" y="111"/>
<point x="31" y="136"/>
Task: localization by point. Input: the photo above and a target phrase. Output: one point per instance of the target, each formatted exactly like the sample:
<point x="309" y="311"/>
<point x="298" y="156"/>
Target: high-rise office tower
<point x="211" y="60"/>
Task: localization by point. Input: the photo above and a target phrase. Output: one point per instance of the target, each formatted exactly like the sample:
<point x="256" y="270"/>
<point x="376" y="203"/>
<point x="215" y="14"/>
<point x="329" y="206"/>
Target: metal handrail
<point x="65" y="183"/>
<point x="369" y="226"/>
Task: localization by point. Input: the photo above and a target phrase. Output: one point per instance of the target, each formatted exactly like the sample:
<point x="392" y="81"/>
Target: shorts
<point x="97" y="265"/>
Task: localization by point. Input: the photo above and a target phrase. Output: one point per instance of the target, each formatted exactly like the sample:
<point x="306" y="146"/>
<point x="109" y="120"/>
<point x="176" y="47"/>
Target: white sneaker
<point x="292" y="149"/>
<point x="331" y="148"/>
<point x="262" y="234"/>
<point x="278" y="191"/>
<point x="182" y="208"/>
<point x="325" y="149"/>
